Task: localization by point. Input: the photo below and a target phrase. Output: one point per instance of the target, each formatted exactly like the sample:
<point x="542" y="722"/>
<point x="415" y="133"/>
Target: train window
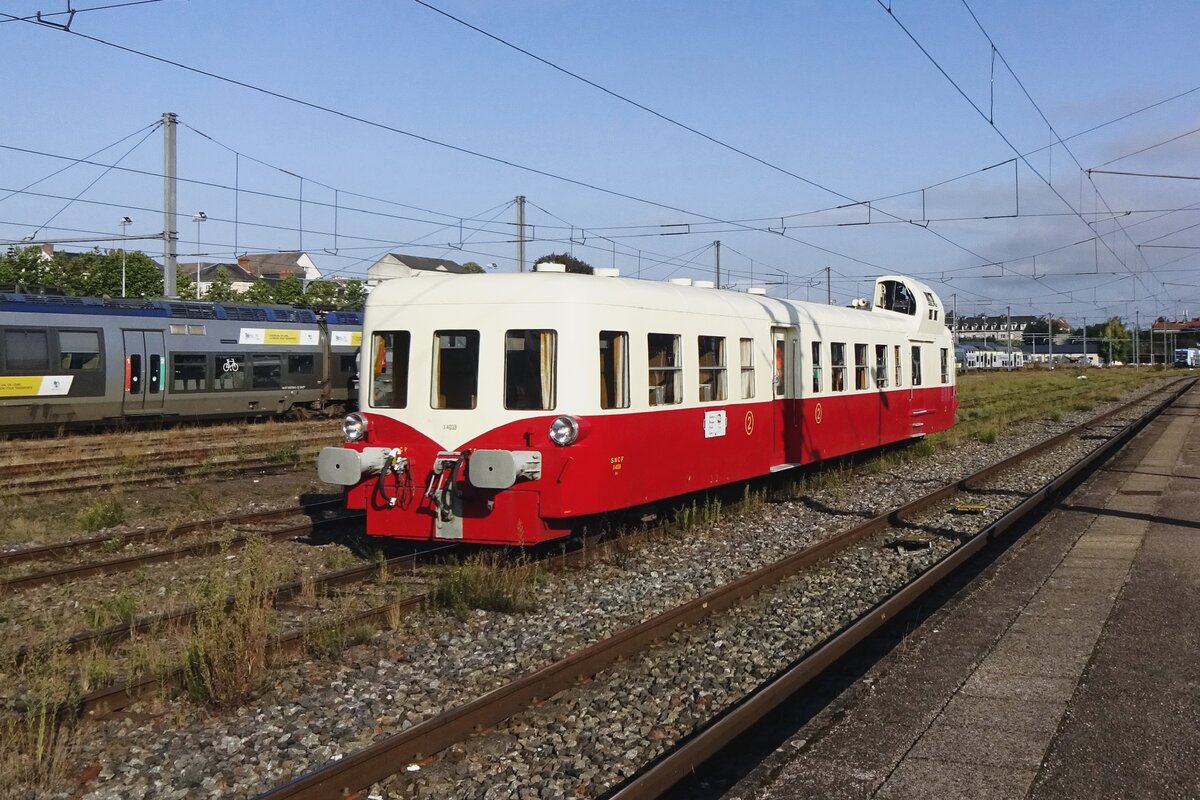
<point x="302" y="364"/>
<point x="26" y="351"/>
<point x="837" y="364"/>
<point x="816" y="366"/>
<point x="79" y="350"/>
<point x="916" y="366"/>
<point x="133" y="374"/>
<point x="747" y="354"/>
<point x="189" y="372"/>
<point x="455" y="369"/>
<point x="899" y="366"/>
<point x="778" y="377"/>
<point x="711" y="351"/>
<point x="154" y="375"/>
<point x="229" y="372"/>
<point x="265" y="371"/>
<point x="529" y="369"/>
<point x="881" y="370"/>
<point x="666" y="372"/>
<point x="389" y="368"/>
<point x="614" y="369"/>
<point x="945" y="366"/>
<point x="861" y="367"/>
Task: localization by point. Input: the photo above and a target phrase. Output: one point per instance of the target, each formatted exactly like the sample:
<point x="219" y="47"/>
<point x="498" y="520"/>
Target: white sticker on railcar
<point x="35" y="385"/>
<point x="714" y="423"/>
<point x="276" y="336"/>
<point x="345" y="338"/>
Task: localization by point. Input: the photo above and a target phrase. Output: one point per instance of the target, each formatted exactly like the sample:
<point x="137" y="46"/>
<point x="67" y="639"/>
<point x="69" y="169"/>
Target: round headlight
<point x="564" y="430"/>
<point x="354" y="427"/>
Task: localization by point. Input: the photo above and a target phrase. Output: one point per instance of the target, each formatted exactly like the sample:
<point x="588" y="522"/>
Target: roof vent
<point x="607" y="272"/>
<point x="703" y="284"/>
<point x="759" y="290"/>
<point x="680" y="281"/>
<point x="549" y="266"/>
<point x="860" y="303"/>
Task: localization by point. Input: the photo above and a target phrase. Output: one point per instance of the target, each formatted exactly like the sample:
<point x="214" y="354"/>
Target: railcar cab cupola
<point x="907" y="296"/>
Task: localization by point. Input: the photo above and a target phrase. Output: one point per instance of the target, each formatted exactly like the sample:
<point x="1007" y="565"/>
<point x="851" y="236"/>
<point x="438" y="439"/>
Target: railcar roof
<point x="553" y="288"/>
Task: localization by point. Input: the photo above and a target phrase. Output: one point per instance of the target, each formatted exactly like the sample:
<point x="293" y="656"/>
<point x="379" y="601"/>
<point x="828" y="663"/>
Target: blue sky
<point x="835" y="93"/>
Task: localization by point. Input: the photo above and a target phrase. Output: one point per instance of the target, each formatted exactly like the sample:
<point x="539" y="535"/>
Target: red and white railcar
<point x="503" y="408"/>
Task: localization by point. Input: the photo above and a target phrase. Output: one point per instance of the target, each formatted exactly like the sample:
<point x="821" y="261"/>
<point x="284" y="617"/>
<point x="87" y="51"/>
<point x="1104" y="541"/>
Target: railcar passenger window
<point x="455" y="369"/>
<point x="305" y="364"/>
<point x="79" y="350"/>
<point x="229" y="372"/>
<point x="26" y="351"/>
<point x="666" y="371"/>
<point x="881" y="370"/>
<point x="860" y="366"/>
<point x="389" y="368"/>
<point x="614" y="369"/>
<point x="189" y="372"/>
<point x="945" y="366"/>
<point x="747" y="353"/>
<point x="816" y="366"/>
<point x="837" y="363"/>
<point x="266" y="371"/>
<point x="711" y="352"/>
<point x="899" y="367"/>
<point x="916" y="366"/>
<point x="530" y="359"/>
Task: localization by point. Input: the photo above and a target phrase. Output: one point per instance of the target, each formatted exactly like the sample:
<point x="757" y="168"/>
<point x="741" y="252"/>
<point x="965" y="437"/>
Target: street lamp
<point x="197" y="218"/>
<point x="125" y="223"/>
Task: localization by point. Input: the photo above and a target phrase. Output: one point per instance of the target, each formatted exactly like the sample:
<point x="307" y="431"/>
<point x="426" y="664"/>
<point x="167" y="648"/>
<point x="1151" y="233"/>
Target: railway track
<point x="934" y="535"/>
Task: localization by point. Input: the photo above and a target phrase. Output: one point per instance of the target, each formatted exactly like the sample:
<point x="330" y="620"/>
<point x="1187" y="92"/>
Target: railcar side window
<point x="916" y="366"/>
<point x="530" y="359"/>
<point x="816" y="366"/>
<point x="79" y="350"/>
<point x="614" y="369"/>
<point x="302" y="364"/>
<point x="666" y="371"/>
<point x="711" y="361"/>
<point x="860" y="366"/>
<point x="837" y="363"/>
<point x="266" y="371"/>
<point x="881" y="370"/>
<point x="26" y="351"/>
<point x="945" y="366"/>
<point x="899" y="367"/>
<point x="189" y="372"/>
<point x="389" y="368"/>
<point x="455" y="369"/>
<point x="229" y="372"/>
<point x="747" y="354"/>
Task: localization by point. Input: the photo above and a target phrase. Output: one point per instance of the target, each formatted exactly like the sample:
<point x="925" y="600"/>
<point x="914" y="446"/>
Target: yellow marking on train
<point x="20" y="386"/>
<point x="280" y="336"/>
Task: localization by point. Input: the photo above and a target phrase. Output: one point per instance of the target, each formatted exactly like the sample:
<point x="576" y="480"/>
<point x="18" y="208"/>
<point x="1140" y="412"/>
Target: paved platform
<point x="1069" y="669"/>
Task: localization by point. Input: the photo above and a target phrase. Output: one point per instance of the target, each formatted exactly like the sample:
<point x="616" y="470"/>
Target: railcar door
<point x="784" y="405"/>
<point x="145" y="372"/>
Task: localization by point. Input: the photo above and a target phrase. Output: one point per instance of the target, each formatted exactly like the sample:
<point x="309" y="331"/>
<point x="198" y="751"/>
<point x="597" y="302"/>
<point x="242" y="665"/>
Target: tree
<point x="220" y="289"/>
<point x="573" y="264"/>
<point x="259" y="292"/>
<point x="185" y="286"/>
<point x="24" y="265"/>
<point x="353" y="295"/>
<point x="321" y="294"/>
<point x="1118" y="340"/>
<point x="472" y="267"/>
<point x="289" y="292"/>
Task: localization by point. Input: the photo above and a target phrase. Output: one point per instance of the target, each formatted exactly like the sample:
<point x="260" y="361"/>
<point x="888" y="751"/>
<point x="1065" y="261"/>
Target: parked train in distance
<point x="76" y="361"/>
<point x="506" y="408"/>
<point x="1187" y="357"/>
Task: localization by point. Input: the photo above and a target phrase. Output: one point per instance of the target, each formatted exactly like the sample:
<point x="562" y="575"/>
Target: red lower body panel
<point x="626" y="460"/>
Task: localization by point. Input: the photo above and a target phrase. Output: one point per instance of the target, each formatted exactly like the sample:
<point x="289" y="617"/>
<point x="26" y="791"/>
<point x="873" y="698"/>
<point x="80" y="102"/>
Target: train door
<point x="784" y="343"/>
<point x="145" y="372"/>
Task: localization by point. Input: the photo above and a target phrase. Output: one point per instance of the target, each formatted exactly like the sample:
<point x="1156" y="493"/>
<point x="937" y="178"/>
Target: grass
<point x="484" y="582"/>
<point x="106" y="512"/>
<point x="226" y="657"/>
<point x="121" y="607"/>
